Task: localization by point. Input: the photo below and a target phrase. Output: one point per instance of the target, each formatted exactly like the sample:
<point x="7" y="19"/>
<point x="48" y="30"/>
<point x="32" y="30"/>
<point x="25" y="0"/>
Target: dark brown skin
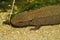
<point x="49" y="15"/>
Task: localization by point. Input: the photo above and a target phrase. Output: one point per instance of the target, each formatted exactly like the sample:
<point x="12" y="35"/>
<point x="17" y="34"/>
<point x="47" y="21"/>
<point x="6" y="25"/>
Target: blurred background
<point x="26" y="5"/>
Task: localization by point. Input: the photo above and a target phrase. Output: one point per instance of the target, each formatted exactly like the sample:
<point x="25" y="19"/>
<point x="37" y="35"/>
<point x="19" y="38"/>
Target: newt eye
<point x="30" y="20"/>
<point x="20" y="22"/>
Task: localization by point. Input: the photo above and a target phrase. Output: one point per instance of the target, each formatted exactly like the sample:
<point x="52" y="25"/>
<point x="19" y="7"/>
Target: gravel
<point x="7" y="32"/>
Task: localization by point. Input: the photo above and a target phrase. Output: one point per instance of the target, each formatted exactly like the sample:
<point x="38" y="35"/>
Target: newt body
<point x="49" y="15"/>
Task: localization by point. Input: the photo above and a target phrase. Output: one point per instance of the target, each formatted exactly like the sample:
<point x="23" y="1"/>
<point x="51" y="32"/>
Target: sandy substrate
<point x="7" y="32"/>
